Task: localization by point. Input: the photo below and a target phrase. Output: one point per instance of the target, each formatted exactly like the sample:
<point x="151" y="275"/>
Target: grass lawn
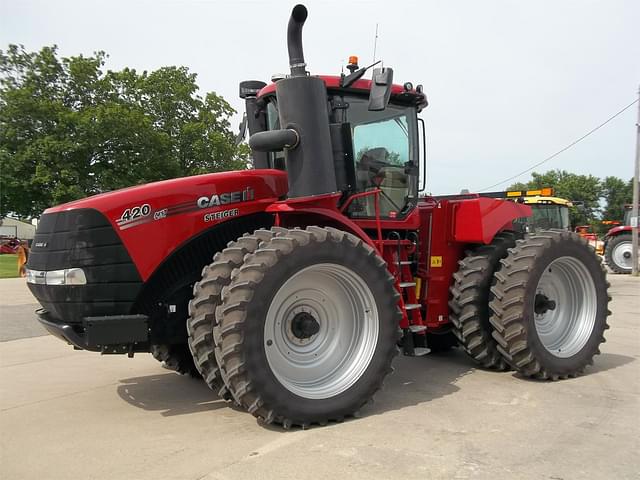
<point x="8" y="266"/>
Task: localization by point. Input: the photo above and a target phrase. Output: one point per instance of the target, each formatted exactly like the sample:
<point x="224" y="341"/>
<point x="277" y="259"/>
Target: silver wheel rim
<point x="565" y="329"/>
<point x="621" y="255"/>
<point x="330" y="361"/>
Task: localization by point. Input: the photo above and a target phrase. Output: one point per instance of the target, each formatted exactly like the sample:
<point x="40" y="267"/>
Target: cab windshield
<point x="545" y="217"/>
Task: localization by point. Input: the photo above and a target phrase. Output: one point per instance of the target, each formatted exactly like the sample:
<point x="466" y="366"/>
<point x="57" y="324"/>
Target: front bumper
<point x="109" y="334"/>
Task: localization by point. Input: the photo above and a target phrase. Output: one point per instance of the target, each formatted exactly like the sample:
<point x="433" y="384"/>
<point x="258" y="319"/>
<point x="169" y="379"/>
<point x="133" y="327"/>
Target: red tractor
<point x="617" y="245"/>
<point x="292" y="286"/>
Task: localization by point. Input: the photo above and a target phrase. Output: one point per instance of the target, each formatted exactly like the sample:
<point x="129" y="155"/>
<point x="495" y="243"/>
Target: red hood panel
<point x="154" y="219"/>
<point x="620" y="229"/>
<point x="184" y="188"/>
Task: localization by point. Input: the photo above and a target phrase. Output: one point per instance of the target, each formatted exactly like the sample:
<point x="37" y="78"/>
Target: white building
<point x="12" y="227"/>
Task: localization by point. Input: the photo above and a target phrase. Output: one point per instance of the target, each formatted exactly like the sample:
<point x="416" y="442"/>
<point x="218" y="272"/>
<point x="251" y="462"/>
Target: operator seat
<point x="373" y="170"/>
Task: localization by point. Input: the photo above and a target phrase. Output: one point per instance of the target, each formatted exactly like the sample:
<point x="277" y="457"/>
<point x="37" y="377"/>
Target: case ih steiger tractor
<point x="292" y="290"/>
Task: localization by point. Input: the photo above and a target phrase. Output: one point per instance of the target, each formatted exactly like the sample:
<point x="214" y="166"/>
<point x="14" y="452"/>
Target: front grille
<point x="83" y="238"/>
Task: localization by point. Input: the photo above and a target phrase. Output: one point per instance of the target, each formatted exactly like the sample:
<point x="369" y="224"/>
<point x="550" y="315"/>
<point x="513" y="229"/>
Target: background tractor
<point x="291" y="287"/>
<point x="617" y="245"/>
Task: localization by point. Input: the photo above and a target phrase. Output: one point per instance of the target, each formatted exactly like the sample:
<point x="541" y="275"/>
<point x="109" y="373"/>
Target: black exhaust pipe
<point x="304" y="119"/>
<point x="294" y="41"/>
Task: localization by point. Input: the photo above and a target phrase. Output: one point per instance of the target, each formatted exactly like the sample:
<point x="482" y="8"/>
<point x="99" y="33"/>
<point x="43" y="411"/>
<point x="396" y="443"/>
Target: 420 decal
<point x="134" y="214"/>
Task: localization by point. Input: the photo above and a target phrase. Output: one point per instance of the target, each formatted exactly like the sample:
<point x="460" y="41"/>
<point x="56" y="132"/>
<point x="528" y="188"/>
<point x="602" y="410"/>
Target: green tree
<point x="616" y="193"/>
<point x="585" y="189"/>
<point x="68" y="129"/>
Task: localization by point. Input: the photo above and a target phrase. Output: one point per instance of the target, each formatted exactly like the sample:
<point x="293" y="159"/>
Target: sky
<point x="509" y="82"/>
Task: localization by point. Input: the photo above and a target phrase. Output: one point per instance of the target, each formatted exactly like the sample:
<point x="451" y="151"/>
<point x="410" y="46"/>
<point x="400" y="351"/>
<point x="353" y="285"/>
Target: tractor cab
<point x="376" y="145"/>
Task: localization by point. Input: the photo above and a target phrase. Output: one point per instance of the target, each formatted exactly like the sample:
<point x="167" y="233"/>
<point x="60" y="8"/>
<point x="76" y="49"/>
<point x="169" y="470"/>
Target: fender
<point x="318" y="210"/>
<point x="617" y="231"/>
<point x="478" y="220"/>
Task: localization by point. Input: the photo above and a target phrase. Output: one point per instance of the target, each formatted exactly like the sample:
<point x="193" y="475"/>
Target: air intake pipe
<point x="256" y="118"/>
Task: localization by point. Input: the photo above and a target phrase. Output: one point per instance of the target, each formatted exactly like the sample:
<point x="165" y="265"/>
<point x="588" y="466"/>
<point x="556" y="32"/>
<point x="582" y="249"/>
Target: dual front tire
<point x="305" y="326"/>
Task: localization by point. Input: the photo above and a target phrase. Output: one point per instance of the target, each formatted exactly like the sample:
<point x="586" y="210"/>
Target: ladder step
<point x="407" y="284"/>
<point x="412" y="306"/>
<point x="420" y="351"/>
<point x="417" y="328"/>
<point x="405" y="262"/>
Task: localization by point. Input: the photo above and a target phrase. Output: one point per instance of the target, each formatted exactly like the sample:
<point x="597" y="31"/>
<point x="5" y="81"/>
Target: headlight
<point x="68" y="276"/>
<point x="75" y="276"/>
<point x="36" y="276"/>
<point x="54" y="277"/>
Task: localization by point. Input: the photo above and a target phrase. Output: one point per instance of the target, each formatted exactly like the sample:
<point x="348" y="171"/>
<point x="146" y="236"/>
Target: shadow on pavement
<point x="415" y="380"/>
<point x="608" y="361"/>
<point x="419" y="380"/>
<point x="170" y="394"/>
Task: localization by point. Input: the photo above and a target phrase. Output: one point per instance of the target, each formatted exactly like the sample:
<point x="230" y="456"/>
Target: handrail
<point x="376" y="193"/>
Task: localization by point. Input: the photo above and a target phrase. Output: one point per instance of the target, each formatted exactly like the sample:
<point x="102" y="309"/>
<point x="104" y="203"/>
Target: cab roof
<point x="540" y="200"/>
<point x="398" y="92"/>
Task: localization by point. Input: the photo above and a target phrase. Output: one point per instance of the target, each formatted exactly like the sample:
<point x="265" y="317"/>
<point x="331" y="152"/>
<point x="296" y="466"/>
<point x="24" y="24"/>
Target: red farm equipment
<point x="617" y="245"/>
<point x="291" y="287"/>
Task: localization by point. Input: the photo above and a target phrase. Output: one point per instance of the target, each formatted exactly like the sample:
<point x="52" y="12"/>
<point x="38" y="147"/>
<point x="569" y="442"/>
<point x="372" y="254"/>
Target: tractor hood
<point x="186" y="192"/>
<point x="153" y="220"/>
<point x="180" y="191"/>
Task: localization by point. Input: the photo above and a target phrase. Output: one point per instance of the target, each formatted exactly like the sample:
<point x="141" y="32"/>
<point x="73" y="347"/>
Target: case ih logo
<point x="226" y="198"/>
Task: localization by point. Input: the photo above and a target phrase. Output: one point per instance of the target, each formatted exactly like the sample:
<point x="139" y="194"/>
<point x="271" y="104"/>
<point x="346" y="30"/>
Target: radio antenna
<point x="375" y="44"/>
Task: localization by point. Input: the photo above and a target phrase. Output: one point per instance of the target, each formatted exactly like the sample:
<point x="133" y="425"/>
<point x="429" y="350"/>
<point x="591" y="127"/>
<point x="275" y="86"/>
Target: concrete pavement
<point x="16" y="311"/>
<point x="67" y="415"/>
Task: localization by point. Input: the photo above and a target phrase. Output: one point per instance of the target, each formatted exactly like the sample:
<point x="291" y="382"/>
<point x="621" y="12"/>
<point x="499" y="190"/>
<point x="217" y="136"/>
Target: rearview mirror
<point x="380" y="88"/>
<point x="242" y="133"/>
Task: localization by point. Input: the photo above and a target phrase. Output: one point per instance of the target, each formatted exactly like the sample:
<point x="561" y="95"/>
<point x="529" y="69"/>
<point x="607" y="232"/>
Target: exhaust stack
<point x="294" y="41"/>
<point x="304" y="117"/>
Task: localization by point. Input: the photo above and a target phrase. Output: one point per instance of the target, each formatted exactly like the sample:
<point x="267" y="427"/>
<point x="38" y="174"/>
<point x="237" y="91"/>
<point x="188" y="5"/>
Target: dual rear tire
<point x="547" y="304"/>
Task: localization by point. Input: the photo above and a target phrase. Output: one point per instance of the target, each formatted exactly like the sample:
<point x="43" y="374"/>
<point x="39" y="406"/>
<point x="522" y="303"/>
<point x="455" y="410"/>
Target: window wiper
<point x="348" y="80"/>
<point x="403" y="127"/>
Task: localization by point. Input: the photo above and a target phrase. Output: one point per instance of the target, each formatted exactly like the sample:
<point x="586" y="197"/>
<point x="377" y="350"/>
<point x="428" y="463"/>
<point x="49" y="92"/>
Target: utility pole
<point x="634" y="206"/>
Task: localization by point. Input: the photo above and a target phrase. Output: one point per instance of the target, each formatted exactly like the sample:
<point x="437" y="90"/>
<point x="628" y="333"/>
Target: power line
<point x="564" y="149"/>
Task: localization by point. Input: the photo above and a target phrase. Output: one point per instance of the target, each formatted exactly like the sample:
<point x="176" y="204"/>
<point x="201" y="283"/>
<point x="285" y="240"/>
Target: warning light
<point x="353" y="60"/>
<point x="545" y="192"/>
<point x="541" y="192"/>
